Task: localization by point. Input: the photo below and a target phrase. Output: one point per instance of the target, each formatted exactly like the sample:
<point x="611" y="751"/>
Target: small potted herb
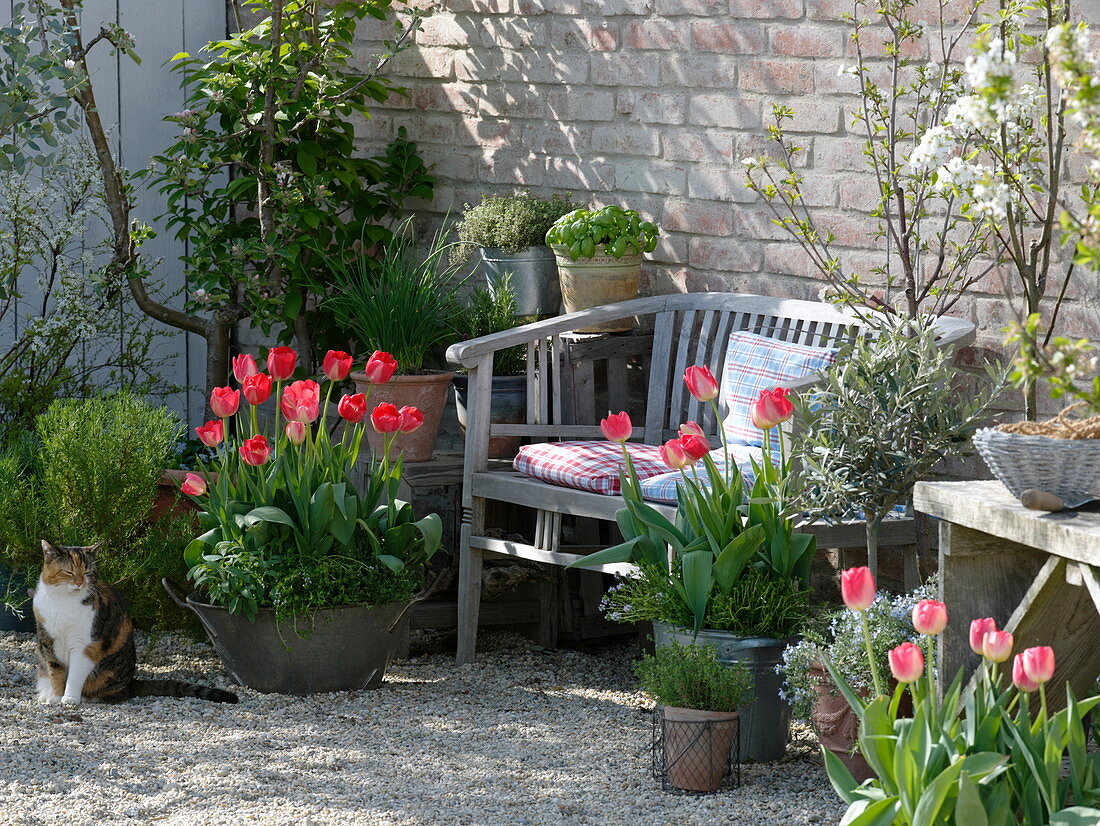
<point x="600" y="258"/>
<point x="494" y="311"/>
<point x="697" y="699"/>
<point x="509" y="231"/>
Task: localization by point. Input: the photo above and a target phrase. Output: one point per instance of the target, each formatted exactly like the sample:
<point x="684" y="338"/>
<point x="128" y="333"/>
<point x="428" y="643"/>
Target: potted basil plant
<point x="509" y="233"/>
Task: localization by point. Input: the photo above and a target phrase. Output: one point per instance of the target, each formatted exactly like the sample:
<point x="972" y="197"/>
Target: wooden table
<point x="1035" y="573"/>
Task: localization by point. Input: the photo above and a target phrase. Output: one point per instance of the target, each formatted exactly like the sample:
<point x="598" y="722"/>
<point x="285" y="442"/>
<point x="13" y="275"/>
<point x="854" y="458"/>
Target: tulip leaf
<point x="868" y="813"/>
<point x="431" y="529"/>
<point x="968" y="806"/>
<point x="199" y="546"/>
<point x="392" y="562"/>
<point x="734" y="558"/>
<point x="839" y="775"/>
<point x="269" y="513"/>
<point x="697" y="572"/>
<point x="1076" y="816"/>
<point x="623" y="552"/>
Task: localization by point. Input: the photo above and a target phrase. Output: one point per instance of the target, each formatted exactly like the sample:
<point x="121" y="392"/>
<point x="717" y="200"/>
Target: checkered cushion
<point x="662" y="488"/>
<point x="755" y="363"/>
<point x="591" y="466"/>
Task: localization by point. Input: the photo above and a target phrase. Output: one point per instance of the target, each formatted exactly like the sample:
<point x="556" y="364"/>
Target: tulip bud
<point x="696" y="447"/>
<point x="701" y="383"/>
<point x="255" y="451"/>
<point x="857" y="588"/>
<point x="1019" y="675"/>
<point x="352" y="408"/>
<point x="380" y="367"/>
<point x="1039" y="663"/>
<point x="386" y="418"/>
<point x="906" y="662"/>
<point x="673" y="454"/>
<point x="211" y="433"/>
<point x="296" y="432"/>
<point x="692" y="429"/>
<point x="224" y="401"/>
<point x="281" y="363"/>
<point x="772" y="408"/>
<point x="411" y="419"/>
<point x="336" y="365"/>
<point x="257" y="389"/>
<point x="978" y="629"/>
<point x="929" y="616"/>
<point x="243" y="367"/>
<point x="617" y="427"/>
<point x="997" y="646"/>
<point x="193" y="485"/>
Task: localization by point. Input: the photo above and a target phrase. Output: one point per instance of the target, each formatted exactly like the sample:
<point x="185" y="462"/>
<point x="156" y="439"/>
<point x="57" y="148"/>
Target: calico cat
<point x="86" y="639"/>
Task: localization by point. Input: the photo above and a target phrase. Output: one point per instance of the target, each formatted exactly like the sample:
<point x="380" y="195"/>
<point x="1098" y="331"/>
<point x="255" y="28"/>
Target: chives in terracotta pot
<point x="697" y="699"/>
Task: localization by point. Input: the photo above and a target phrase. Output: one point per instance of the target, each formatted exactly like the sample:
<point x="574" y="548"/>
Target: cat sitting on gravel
<point x="86" y="639"/>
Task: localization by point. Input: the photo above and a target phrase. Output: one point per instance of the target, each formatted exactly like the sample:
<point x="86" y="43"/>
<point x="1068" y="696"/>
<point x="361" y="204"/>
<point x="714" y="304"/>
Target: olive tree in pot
<point x="698" y="699"/>
<point x="509" y="232"/>
<point x="494" y="311"/>
<point x="600" y="258"/>
<point x="303" y="581"/>
<point x="403" y="302"/>
<point x="729" y="572"/>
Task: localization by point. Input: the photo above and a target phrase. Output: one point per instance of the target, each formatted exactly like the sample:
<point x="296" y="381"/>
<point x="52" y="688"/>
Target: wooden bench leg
<point x="469" y="582"/>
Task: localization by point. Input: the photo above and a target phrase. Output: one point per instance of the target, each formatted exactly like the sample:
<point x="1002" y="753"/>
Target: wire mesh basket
<point x="696" y="752"/>
<point x="1067" y="468"/>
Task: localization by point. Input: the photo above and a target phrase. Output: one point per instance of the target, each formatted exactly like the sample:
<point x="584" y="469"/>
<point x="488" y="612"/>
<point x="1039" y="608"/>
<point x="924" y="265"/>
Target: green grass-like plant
<point x="691" y="677"/>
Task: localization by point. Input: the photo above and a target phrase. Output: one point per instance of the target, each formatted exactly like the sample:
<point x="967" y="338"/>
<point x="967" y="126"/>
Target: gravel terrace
<point x="524" y="737"/>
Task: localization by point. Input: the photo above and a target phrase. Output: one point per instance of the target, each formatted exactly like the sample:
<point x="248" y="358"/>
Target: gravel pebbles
<point x="523" y="737"/>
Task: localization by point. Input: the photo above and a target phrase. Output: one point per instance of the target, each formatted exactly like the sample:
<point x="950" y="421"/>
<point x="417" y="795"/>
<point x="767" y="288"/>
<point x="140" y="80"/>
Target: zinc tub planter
<point x="766" y="721"/>
<point x="345" y="649"/>
<point x="534" y="278"/>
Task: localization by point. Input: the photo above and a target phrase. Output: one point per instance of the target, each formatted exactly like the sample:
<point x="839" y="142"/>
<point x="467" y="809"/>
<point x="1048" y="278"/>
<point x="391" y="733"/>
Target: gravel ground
<point x="524" y="737"/>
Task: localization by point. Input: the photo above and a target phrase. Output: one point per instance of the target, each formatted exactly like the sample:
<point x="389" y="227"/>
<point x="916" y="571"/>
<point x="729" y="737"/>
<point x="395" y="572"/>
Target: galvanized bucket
<point x="534" y="278"/>
<point x="766" y="722"/>
<point x="346" y="649"/>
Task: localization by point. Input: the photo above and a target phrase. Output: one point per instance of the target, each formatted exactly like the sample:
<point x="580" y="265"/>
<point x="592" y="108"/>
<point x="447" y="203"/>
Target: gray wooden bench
<point x="574" y="380"/>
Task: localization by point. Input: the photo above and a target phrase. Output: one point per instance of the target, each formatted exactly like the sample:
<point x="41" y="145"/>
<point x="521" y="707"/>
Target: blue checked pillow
<point x="755" y="363"/>
<point x="662" y="488"/>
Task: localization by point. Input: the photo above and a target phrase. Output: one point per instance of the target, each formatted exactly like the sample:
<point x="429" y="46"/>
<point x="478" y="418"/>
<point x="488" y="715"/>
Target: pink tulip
<point x="701" y="383"/>
<point x="281" y="363"/>
<point x="211" y="433"/>
<point x="929" y="616"/>
<point x="386" y="418"/>
<point x="193" y="485"/>
<point x="906" y="662"/>
<point x="696" y="447"/>
<point x="296" y="432"/>
<point x="411" y="419"/>
<point x="772" y="408"/>
<point x="692" y="429"/>
<point x="1019" y="675"/>
<point x="336" y="365"/>
<point x="857" y="588"/>
<point x="301" y="401"/>
<point x="257" y="389"/>
<point x="243" y="367"/>
<point x="673" y="454"/>
<point x="353" y="407"/>
<point x="380" y="367"/>
<point x="255" y="451"/>
<point x="1039" y="663"/>
<point x="224" y="401"/>
<point x="617" y="427"/>
<point x="978" y="629"/>
<point x="997" y="646"/>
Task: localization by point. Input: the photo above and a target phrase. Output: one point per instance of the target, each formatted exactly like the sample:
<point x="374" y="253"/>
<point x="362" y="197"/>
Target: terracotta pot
<point x="596" y="281"/>
<point x="427" y="392"/>
<point x="508" y="405"/>
<point x="169" y="501"/>
<point x="696" y="754"/>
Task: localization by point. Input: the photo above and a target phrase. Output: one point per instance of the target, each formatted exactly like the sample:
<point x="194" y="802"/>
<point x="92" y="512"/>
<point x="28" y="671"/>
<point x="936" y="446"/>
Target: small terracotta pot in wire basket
<point x="696" y="751"/>
<point x="1059" y="457"/>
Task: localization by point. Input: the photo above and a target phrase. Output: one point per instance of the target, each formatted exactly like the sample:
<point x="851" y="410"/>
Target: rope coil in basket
<point x="1060" y="427"/>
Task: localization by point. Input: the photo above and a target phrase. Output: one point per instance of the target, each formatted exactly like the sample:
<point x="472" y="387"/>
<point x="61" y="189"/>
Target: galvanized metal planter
<point x="508" y="406"/>
<point x="534" y="278"/>
<point x="766" y="722"/>
<point x="346" y="649"/>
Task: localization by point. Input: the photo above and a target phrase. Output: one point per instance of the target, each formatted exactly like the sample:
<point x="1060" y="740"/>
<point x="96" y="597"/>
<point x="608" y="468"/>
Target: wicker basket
<point x="1068" y="468"/>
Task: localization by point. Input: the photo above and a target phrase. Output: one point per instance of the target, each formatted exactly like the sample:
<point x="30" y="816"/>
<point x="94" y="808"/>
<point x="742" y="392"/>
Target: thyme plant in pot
<point x="303" y="581"/>
<point x="698" y="701"/>
<point x="600" y="258"/>
<point x="404" y="303"/>
<point x="509" y="232"/>
<point x="494" y="311"/>
<point x="729" y="572"/>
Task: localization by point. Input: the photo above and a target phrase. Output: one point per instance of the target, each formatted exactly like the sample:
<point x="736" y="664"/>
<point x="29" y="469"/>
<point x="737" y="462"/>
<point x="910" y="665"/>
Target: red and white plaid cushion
<point x="592" y="466"/>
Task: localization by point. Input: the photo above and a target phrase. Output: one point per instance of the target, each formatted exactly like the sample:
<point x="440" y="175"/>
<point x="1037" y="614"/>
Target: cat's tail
<point x="178" y="688"/>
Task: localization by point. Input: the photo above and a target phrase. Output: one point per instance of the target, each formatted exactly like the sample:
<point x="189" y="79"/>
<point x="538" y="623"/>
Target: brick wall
<point x="652" y="104"/>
